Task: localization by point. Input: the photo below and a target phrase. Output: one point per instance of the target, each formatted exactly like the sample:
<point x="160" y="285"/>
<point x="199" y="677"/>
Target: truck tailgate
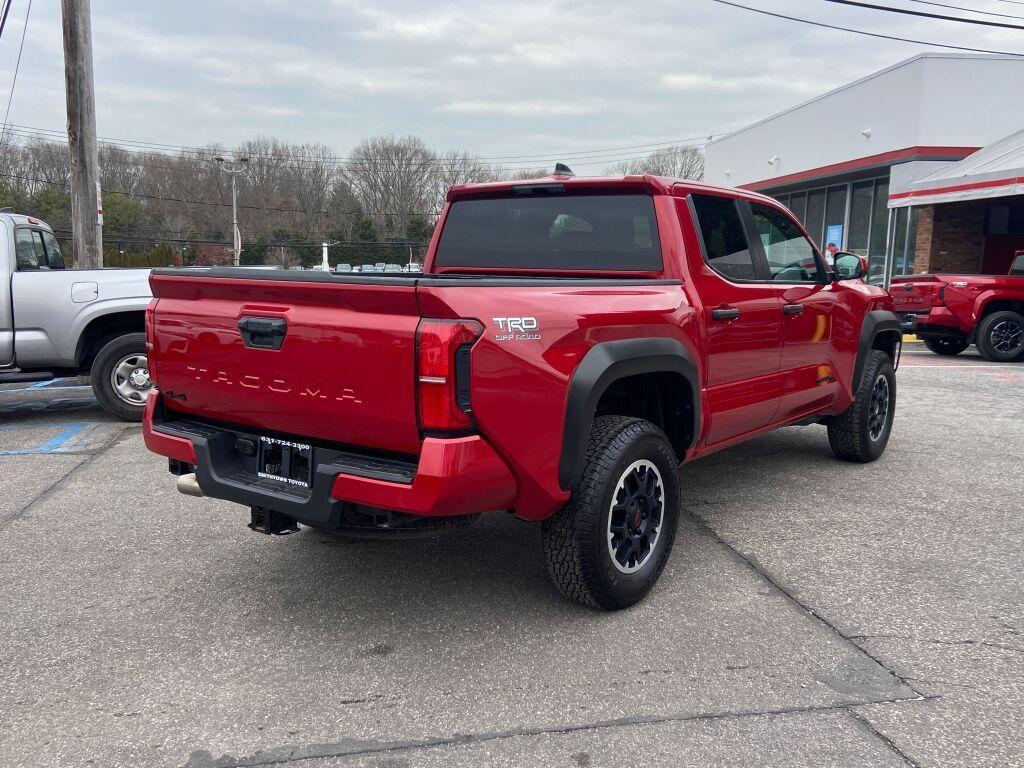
<point x="323" y="357"/>
<point x="913" y="294"/>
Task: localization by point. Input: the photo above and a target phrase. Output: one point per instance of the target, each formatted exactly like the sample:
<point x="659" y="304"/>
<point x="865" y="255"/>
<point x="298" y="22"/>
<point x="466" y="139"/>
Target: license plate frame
<point x="285" y="461"/>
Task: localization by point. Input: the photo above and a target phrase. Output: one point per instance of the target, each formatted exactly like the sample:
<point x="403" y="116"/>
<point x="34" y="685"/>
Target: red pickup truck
<point x="568" y="345"/>
<point x="954" y="311"/>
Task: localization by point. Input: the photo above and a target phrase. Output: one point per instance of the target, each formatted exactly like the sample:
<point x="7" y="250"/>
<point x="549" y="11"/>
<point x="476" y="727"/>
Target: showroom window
<point x="856" y="217"/>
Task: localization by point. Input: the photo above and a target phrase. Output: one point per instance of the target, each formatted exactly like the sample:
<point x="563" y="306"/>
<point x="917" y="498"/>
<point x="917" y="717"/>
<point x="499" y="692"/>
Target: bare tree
<point x="527" y="173"/>
<point x="456" y="167"/>
<point x="120" y="170"/>
<point x="310" y="177"/>
<point x="391" y="178"/>
<point x="678" y="162"/>
<point x="47" y="163"/>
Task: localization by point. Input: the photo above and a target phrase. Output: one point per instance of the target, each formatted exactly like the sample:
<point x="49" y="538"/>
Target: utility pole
<point x="86" y="205"/>
<point x="233" y="168"/>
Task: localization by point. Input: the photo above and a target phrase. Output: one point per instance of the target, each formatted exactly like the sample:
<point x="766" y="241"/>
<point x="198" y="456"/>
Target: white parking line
<point x="959" y="367"/>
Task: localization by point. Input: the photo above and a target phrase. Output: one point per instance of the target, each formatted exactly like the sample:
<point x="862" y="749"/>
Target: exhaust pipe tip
<point x="188" y="485"/>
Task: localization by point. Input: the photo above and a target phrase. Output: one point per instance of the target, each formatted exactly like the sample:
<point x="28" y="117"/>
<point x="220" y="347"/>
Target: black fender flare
<point x="876" y="323"/>
<point x="603" y="364"/>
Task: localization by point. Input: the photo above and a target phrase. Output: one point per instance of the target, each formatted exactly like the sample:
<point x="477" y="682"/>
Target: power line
<point x="861" y="31"/>
<point x="272" y="241"/>
<point x="969" y="10"/>
<point x="925" y="15"/>
<point x="186" y="201"/>
<point x="348" y="160"/>
<point x="348" y="165"/>
<point x="17" y="67"/>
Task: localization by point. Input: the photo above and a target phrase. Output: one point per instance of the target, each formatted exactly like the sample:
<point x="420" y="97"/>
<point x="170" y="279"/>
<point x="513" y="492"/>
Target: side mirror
<point x="850" y="266"/>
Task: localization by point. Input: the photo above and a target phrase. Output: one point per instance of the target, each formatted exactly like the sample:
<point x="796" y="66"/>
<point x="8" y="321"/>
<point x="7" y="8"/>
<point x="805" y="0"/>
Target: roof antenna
<point x="561" y="169"/>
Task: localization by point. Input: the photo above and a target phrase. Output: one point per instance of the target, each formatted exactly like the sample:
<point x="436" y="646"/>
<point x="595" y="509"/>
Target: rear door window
<point x="54" y="257"/>
<point x="726" y="249"/>
<point x="552" y="231"/>
<point x="1017" y="268"/>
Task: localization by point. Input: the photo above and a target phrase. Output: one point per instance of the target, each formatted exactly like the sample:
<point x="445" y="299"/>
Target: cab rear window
<point x="561" y="232"/>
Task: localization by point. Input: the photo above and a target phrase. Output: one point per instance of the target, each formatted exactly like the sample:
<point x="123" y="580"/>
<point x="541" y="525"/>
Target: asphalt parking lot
<point x="813" y="613"/>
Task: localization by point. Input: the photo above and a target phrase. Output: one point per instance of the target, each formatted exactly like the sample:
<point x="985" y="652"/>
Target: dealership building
<point x="918" y="167"/>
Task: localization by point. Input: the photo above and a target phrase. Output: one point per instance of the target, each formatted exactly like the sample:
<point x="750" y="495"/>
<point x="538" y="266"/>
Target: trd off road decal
<point x="516" y="328"/>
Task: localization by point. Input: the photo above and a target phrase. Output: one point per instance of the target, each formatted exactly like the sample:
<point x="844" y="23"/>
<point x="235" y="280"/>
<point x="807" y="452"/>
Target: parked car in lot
<point x="56" y="321"/>
<point x="570" y="343"/>
<point x="954" y="311"/>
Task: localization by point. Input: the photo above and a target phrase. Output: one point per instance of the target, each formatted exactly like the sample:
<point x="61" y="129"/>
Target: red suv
<point x="569" y="344"/>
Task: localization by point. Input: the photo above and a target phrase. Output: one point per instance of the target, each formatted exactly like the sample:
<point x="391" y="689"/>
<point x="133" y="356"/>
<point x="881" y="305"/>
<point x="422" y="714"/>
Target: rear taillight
<point x="939" y="297"/>
<point x="150" y="359"/>
<point x="442" y="372"/>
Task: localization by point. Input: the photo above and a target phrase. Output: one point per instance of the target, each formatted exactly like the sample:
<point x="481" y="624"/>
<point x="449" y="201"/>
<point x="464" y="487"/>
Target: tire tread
<point x="848" y="432"/>
<point x="566" y="535"/>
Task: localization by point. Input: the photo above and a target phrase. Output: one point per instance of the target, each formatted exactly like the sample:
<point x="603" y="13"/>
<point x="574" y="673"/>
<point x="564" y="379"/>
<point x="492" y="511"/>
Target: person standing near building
<point x="830" y="254"/>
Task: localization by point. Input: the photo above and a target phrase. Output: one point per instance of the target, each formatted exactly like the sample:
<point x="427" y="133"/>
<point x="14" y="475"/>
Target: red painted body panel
<point x="344" y="373"/>
<point x="347" y="369"/>
<point x="458" y="476"/>
<point x="166" y="445"/>
<point x="964" y="298"/>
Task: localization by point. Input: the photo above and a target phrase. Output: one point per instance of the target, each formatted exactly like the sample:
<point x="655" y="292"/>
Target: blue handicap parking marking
<point x="73" y="436"/>
<point x="61" y="383"/>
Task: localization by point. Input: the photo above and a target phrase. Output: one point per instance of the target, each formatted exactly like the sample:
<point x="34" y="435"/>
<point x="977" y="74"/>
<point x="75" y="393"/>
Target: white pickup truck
<point x="56" y="321"/>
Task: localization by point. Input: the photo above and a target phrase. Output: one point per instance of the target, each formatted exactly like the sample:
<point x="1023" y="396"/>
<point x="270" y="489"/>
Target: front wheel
<point x="946" y="345"/>
<point x="607" y="547"/>
<point x="1001" y="336"/>
<point x="120" y="376"/>
<point x="861" y="432"/>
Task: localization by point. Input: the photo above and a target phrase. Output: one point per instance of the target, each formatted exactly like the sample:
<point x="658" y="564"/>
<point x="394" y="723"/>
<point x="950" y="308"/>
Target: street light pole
<point x="233" y="168"/>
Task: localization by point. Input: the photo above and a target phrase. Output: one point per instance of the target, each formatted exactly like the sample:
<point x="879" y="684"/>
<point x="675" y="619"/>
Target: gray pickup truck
<point x="56" y="321"/>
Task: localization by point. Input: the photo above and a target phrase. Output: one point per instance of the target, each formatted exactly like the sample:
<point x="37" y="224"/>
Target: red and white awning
<point x="993" y="171"/>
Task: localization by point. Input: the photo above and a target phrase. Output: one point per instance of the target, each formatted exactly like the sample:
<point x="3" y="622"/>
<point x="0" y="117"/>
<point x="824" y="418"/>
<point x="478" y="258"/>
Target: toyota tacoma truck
<point x="951" y="312"/>
<point x="62" y="322"/>
<point x="569" y="344"/>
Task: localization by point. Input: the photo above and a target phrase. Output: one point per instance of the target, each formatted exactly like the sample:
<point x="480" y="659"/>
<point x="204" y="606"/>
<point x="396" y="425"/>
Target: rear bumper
<point x="940" y="321"/>
<point x="455" y="476"/>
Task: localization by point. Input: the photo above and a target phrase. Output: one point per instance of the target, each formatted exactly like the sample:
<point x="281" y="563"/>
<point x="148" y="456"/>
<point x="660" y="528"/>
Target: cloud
<point x="691" y="81"/>
<point x="535" y="108"/>
<point x="537" y="76"/>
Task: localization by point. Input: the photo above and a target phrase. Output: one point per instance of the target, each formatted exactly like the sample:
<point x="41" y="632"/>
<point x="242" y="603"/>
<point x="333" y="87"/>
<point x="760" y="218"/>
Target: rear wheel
<point x="607" y="547"/>
<point x="1001" y="336"/>
<point x="861" y="432"/>
<point x="946" y="345"/>
<point x="120" y="376"/>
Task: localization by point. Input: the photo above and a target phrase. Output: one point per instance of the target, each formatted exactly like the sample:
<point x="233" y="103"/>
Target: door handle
<point x="725" y="314"/>
<point x="263" y="332"/>
<point x="793" y="309"/>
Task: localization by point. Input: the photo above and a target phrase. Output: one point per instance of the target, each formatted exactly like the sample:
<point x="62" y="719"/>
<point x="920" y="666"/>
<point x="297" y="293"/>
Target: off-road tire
<point x="987" y="342"/>
<point x="103" y="365"/>
<point x="946" y="345"/>
<point x="576" y="539"/>
<point x="849" y="433"/>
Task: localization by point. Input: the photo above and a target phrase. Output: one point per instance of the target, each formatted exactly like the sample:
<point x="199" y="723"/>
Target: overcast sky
<point x="498" y="78"/>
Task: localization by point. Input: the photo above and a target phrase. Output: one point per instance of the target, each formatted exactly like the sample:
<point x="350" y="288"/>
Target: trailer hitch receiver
<point x="272" y="523"/>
